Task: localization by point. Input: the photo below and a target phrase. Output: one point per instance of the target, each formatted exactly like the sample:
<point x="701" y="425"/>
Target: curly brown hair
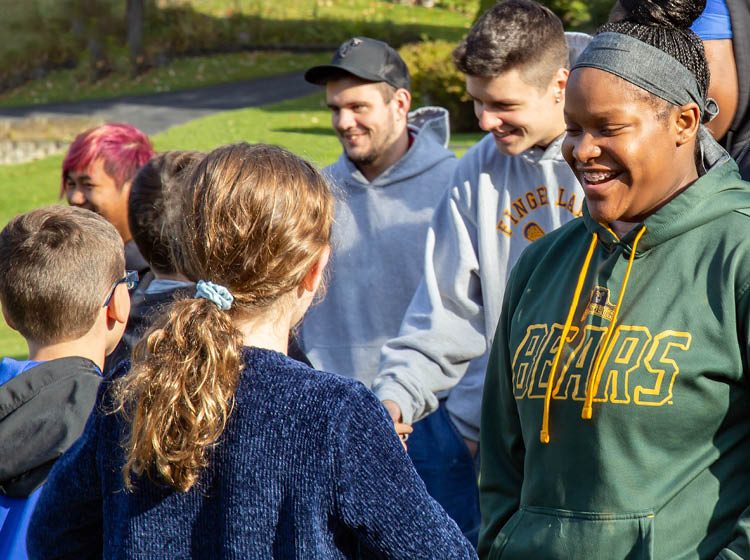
<point x="256" y="219"/>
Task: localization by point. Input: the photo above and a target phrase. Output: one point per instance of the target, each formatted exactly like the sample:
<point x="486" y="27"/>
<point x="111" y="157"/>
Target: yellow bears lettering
<point x="638" y="368"/>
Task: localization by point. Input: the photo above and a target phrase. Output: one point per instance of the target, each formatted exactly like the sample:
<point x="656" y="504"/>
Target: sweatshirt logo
<point x="533" y="231"/>
<point x="640" y="367"/>
<point x="529" y="203"/>
<point x="599" y="304"/>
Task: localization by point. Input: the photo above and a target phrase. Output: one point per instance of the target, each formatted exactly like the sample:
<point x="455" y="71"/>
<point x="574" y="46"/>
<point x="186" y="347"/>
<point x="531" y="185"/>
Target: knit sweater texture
<point x="309" y="466"/>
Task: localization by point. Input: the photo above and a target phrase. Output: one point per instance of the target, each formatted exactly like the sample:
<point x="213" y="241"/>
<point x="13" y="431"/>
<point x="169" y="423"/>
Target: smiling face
<point x="368" y="127"/>
<point x="519" y="115"/>
<point x="94" y="189"/>
<point x="629" y="156"/>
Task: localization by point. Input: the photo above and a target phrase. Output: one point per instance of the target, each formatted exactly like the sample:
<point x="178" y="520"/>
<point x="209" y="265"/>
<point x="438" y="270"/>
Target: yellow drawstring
<point x="596" y="373"/>
<point x="544" y="434"/>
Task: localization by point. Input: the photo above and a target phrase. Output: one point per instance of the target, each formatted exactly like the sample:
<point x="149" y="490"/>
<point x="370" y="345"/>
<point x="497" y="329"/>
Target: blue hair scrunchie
<point x="215" y="293"/>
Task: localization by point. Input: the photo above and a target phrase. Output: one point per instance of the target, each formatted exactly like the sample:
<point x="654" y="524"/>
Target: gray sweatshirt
<point x="378" y="250"/>
<point x="495" y="207"/>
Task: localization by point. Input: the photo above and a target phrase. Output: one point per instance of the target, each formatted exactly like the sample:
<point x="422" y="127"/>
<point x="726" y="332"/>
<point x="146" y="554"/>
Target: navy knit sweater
<point x="309" y="466"/>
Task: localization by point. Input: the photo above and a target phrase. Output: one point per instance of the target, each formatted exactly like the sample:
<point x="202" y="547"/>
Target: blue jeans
<point x="447" y="468"/>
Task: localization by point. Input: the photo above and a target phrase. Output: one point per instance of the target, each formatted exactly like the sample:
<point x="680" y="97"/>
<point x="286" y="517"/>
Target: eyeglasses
<point x="130" y="280"/>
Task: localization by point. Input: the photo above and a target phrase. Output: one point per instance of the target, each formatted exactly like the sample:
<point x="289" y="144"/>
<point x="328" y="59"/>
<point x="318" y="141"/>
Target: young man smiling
<point x="96" y="175"/>
<point x="392" y="172"/>
<point x="508" y="190"/>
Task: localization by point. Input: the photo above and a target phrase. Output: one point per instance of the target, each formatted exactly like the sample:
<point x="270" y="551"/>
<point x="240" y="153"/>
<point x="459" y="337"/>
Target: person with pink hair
<point x="97" y="172"/>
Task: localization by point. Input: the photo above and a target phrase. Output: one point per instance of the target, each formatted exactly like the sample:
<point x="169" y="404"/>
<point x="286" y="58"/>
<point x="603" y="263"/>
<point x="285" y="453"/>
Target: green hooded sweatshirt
<point x="657" y="340"/>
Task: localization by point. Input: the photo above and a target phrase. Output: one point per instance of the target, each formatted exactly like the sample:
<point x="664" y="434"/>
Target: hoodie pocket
<point x="537" y="532"/>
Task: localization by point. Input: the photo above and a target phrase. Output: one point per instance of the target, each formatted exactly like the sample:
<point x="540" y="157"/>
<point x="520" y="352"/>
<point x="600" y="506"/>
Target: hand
<point x="394" y="410"/>
<point x="403" y="430"/>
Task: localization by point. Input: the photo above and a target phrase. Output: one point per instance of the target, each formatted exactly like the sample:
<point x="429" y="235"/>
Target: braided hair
<point x="665" y="24"/>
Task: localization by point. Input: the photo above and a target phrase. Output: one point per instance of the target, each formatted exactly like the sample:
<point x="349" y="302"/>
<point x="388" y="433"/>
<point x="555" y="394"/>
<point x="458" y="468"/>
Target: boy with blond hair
<point x="64" y="288"/>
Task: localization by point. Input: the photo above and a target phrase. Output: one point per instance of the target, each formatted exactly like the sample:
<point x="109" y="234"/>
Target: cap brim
<point x="319" y="75"/>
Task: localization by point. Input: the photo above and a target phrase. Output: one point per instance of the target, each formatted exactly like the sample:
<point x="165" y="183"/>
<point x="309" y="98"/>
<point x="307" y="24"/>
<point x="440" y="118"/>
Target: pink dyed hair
<point x="122" y="147"/>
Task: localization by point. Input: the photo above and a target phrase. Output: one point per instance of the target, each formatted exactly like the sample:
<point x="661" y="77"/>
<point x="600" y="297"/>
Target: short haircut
<point x="515" y="34"/>
<point x="122" y="148"/>
<point x="387" y="91"/>
<point x="150" y="211"/>
<point x="57" y="265"/>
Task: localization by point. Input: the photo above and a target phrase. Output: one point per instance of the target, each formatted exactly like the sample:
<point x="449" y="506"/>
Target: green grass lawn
<point x="300" y="125"/>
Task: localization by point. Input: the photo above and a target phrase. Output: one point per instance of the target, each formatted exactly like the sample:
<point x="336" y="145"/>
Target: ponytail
<point x="256" y="218"/>
<point x="179" y="394"/>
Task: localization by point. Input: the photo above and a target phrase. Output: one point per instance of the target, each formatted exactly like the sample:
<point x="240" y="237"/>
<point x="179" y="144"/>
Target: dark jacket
<point x="43" y="411"/>
<point x="737" y="139"/>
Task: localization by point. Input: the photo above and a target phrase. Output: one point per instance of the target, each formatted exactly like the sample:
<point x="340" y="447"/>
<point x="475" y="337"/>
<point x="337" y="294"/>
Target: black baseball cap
<point x="366" y="58"/>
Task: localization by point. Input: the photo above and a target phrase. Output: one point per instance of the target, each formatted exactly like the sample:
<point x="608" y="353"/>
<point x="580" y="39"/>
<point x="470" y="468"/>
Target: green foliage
<point x="576" y="15"/>
<point x="468" y="7"/>
<point x="43" y="35"/>
<point x="35" y="40"/>
<point x="435" y="81"/>
<point x="184" y="29"/>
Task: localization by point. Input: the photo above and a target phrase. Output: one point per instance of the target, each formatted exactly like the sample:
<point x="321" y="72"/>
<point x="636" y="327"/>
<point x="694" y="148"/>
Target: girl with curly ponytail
<point x="216" y="443"/>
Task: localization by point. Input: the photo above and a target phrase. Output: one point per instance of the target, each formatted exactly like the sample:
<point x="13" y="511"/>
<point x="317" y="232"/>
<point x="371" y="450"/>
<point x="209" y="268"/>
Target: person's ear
<point x="687" y="120"/>
<point x="559" y="81"/>
<point x="402" y="100"/>
<point x="119" y="305"/>
<point x="314" y="276"/>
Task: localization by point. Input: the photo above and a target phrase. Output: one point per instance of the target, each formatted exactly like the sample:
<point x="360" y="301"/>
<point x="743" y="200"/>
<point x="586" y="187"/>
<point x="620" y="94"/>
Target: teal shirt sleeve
<point x="501" y="440"/>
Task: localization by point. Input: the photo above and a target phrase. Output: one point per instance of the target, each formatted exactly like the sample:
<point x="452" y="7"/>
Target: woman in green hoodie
<point x="615" y="416"/>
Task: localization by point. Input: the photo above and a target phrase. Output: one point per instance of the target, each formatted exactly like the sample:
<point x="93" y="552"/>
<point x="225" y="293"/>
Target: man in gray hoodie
<point x="508" y="190"/>
<point x="391" y="174"/>
<point x="393" y="171"/>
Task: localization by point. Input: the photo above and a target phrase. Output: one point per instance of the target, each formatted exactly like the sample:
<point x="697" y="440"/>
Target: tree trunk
<point x="87" y="23"/>
<point x="135" y="17"/>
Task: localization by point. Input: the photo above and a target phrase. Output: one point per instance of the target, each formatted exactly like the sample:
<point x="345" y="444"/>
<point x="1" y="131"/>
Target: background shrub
<point x="435" y="81"/>
<point x="576" y="15"/>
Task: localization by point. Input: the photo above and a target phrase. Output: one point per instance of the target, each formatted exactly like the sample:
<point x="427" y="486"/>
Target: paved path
<point x="156" y="112"/>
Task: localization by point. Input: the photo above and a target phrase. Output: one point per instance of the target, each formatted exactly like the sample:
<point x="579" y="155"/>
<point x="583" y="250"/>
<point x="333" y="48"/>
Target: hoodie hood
<point x="43" y="409"/>
<point x="718" y="191"/>
<point x="429" y="127"/>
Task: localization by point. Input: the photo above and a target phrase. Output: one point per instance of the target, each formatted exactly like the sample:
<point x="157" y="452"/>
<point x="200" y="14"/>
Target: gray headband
<point x="648" y="68"/>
